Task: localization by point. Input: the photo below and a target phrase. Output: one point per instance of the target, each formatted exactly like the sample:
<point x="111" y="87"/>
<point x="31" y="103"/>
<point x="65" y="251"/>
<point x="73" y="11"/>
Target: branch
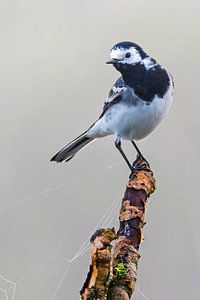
<point x="95" y="286"/>
<point x="113" y="275"/>
<point x="126" y="255"/>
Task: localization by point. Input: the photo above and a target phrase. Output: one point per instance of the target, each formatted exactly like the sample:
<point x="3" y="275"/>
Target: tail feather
<point x="68" y="152"/>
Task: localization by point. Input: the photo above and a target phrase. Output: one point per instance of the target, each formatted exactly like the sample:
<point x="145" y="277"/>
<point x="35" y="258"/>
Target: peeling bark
<point x="113" y="274"/>
<point x="95" y="286"/>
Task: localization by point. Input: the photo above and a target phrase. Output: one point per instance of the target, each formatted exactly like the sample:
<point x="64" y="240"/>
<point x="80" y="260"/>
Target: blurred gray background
<point x="53" y="84"/>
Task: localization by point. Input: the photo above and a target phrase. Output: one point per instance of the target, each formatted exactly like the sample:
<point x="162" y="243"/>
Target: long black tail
<point x="66" y="153"/>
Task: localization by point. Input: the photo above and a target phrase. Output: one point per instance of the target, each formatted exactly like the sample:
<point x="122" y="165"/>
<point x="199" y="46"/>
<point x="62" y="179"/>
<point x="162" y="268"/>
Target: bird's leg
<point x="140" y="163"/>
<point x="138" y="150"/>
<point x="118" y="146"/>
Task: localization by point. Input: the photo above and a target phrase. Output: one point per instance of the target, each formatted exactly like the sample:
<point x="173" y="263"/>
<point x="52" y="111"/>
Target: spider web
<point x="9" y="288"/>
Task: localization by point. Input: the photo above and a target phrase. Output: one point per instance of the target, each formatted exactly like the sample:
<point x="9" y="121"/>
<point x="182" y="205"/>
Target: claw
<point x="133" y="171"/>
<point x="141" y="163"/>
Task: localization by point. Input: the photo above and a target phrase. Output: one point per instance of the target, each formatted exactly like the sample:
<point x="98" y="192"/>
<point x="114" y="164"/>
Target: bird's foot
<point x="139" y="164"/>
<point x="133" y="171"/>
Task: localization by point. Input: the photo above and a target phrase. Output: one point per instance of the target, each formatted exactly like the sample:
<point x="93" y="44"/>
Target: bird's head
<point x="125" y="55"/>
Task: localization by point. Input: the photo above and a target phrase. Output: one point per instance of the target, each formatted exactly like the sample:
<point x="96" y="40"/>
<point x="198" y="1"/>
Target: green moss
<point x="92" y="293"/>
<point x="120" y="270"/>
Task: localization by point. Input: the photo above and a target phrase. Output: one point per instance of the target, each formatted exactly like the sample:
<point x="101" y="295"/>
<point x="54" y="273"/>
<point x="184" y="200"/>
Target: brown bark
<point x="95" y="286"/>
<point x="113" y="275"/>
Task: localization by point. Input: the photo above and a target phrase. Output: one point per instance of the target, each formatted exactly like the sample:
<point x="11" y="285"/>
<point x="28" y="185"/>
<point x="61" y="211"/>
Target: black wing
<point x="115" y="95"/>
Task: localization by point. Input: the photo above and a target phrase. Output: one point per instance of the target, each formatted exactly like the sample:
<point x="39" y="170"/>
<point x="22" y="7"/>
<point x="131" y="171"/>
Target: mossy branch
<point x="113" y="274"/>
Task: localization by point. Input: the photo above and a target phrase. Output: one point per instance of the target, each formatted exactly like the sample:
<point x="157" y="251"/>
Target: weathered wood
<point x="125" y="255"/>
<point x="95" y="286"/>
<point x="113" y="276"/>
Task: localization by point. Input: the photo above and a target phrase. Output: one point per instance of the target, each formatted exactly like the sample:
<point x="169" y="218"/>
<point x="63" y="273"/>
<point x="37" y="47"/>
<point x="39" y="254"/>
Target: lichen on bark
<point x="113" y="274"/>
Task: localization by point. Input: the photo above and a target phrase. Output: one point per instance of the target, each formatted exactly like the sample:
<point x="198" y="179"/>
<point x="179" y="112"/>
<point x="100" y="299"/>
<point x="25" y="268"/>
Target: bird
<point x="135" y="105"/>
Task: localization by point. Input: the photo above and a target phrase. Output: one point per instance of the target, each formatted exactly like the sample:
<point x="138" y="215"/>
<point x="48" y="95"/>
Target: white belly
<point x="133" y="122"/>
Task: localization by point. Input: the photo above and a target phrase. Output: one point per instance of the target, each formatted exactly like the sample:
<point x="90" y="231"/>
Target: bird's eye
<point x="128" y="54"/>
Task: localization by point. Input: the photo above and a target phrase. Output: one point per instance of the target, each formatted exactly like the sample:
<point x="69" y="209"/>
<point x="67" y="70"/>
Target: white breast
<point x="133" y="122"/>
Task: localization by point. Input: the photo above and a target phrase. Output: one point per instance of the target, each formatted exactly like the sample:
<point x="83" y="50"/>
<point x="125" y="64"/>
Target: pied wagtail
<point x="136" y="104"/>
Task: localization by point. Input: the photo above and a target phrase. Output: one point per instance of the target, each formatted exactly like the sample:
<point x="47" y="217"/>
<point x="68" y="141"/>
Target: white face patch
<point x="120" y="54"/>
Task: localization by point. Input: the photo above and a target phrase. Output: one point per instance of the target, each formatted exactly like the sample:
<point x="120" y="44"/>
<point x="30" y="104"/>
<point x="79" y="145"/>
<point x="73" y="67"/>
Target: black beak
<point x="112" y="61"/>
